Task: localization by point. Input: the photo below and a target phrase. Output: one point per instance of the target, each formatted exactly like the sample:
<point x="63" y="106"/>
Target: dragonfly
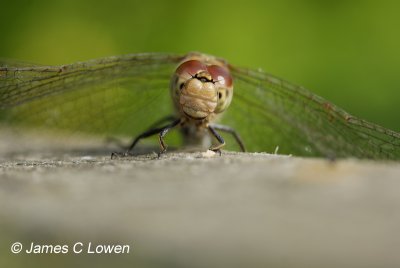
<point x="199" y="94"/>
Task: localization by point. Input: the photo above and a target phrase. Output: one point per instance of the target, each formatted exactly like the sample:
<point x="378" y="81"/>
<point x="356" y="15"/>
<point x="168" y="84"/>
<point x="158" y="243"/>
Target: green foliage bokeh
<point x="345" y="51"/>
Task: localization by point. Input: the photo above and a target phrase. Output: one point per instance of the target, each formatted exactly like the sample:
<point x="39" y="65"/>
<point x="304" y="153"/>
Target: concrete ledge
<point x="198" y="210"/>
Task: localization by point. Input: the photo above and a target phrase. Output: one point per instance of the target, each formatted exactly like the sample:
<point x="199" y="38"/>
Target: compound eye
<point x="220" y="74"/>
<point x="221" y="95"/>
<point x="191" y="67"/>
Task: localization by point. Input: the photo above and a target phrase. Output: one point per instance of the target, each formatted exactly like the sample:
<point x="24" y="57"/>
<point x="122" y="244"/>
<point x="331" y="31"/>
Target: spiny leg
<point x="221" y="140"/>
<point x="163" y="120"/>
<point x="230" y="131"/>
<point x="162" y="131"/>
<point x="162" y="134"/>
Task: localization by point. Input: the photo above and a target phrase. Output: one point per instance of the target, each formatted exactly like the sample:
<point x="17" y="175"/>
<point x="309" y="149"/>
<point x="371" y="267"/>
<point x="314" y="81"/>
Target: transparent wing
<point x="270" y="113"/>
<point x="120" y="95"/>
<point x="124" y="95"/>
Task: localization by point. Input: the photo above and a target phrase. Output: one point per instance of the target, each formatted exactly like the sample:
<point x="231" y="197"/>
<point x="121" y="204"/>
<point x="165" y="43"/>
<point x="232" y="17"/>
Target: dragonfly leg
<point x="221" y="140"/>
<point x="162" y="131"/>
<point x="162" y="134"/>
<point x="156" y="124"/>
<point x="230" y="131"/>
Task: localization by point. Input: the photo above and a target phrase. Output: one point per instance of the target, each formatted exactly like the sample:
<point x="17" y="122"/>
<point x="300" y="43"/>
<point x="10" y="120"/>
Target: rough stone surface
<point x="198" y="209"/>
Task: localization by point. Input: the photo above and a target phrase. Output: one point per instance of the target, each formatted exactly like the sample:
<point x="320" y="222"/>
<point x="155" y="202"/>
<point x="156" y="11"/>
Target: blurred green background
<point x="345" y="51"/>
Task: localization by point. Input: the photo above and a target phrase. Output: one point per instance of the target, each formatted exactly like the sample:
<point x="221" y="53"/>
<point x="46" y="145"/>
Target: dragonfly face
<point x="201" y="87"/>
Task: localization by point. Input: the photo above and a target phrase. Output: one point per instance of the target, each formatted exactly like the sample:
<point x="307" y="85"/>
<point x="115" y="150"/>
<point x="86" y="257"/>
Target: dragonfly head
<point x="200" y="89"/>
